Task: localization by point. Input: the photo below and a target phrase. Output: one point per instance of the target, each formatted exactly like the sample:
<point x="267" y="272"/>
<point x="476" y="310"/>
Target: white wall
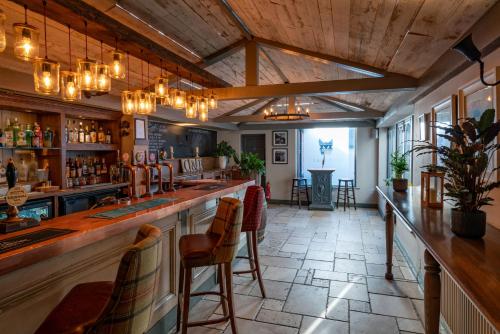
<point x="280" y="176"/>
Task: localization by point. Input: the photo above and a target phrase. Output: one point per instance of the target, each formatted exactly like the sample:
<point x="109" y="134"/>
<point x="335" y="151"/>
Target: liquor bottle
<point x="79" y="169"/>
<point x="81" y="134"/>
<point x="93" y="134"/>
<point x="104" y="169"/>
<point x="2" y="138"/>
<point x="21" y="136"/>
<point x="32" y="167"/>
<point x="101" y="136"/>
<point x="29" y="135"/>
<point x="22" y="175"/>
<point x="87" y="134"/>
<point x="108" y="137"/>
<point x="48" y="138"/>
<point x="68" y="168"/>
<point x="9" y="135"/>
<point x="15" y="128"/>
<point x="37" y="139"/>
<point x="66" y="132"/>
<point x="3" y="178"/>
<point x="97" y="165"/>
<point x="91" y="167"/>
<point x="72" y="171"/>
<point x="85" y="169"/>
<point x="75" y="133"/>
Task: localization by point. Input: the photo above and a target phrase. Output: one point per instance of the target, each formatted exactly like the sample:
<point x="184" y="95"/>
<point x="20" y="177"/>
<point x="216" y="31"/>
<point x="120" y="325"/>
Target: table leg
<point x="389" y="239"/>
<point x="432" y="293"/>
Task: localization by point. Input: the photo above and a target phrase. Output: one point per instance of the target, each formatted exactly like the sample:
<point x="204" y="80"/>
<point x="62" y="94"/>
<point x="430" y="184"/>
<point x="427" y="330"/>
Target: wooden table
<point x="473" y="264"/>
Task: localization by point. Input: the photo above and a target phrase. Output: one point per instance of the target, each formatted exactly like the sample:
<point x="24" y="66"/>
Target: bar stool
<point x="216" y="247"/>
<point x="346" y="185"/>
<point x="299" y="186"/>
<point x="252" y="218"/>
<point x="123" y="306"/>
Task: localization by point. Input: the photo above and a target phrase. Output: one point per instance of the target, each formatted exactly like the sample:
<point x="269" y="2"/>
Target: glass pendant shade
<point x="161" y="87"/>
<point x="142" y="100"/>
<point x="179" y="101"/>
<point x="87" y="69"/>
<point x="26" y="44"/>
<point x="212" y="101"/>
<point x="70" y="86"/>
<point x="3" y="40"/>
<point x="46" y="75"/>
<point x="117" y="69"/>
<point x="203" y="109"/>
<point x="103" y="79"/>
<point x="128" y="102"/>
<point x="191" y="107"/>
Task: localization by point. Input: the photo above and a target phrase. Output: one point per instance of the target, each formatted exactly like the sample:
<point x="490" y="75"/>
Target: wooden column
<point x="389" y="239"/>
<point x="252" y="64"/>
<point x="432" y="293"/>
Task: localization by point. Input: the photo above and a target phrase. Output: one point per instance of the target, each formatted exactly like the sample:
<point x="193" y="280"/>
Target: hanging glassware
<point x="161" y="87"/>
<point x="3" y="40"/>
<point x="26" y="45"/>
<point x="203" y="109"/>
<point x="103" y="77"/>
<point x="70" y="80"/>
<point x="142" y="99"/>
<point x="116" y="68"/>
<point x="87" y="69"/>
<point x="46" y="71"/>
<point x="128" y="104"/>
<point x="179" y="101"/>
<point x="192" y="102"/>
<point x="212" y="100"/>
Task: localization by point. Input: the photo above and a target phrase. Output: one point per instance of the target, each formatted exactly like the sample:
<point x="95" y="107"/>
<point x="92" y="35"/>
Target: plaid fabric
<point x="129" y="309"/>
<point x="227" y="224"/>
<point x="252" y="212"/>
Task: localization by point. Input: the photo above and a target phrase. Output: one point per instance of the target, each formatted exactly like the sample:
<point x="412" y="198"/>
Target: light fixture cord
<point x="86" y="45"/>
<point x="177" y="77"/>
<point x="45" y="26"/>
<point x="116" y="43"/>
<point x="26" y="14"/>
<point x="69" y="44"/>
<point x="148" y="76"/>
<point x="128" y="71"/>
<point x="102" y="62"/>
<point x="161" y="67"/>
<point x="142" y="72"/>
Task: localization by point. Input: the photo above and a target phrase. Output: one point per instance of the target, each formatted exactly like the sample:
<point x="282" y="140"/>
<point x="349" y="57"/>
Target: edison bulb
<point x="26" y="44"/>
<point x="179" y="100"/>
<point x="117" y="69"/>
<point x="46" y="75"/>
<point x="70" y="89"/>
<point x="87" y="78"/>
<point x="212" y="101"/>
<point x="102" y="81"/>
<point x="128" y="107"/>
<point x="46" y="80"/>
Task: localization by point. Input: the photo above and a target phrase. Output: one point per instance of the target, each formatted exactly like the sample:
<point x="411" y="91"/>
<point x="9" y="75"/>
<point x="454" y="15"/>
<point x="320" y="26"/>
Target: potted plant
<point x="223" y="152"/>
<point x="469" y="177"/>
<point x="399" y="166"/>
<point x="251" y="166"/>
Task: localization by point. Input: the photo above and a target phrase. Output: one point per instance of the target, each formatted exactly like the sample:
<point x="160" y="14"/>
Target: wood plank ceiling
<point x="387" y="34"/>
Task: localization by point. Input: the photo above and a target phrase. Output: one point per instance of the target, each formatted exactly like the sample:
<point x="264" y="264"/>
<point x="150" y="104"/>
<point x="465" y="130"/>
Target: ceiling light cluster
<point x="297" y="113"/>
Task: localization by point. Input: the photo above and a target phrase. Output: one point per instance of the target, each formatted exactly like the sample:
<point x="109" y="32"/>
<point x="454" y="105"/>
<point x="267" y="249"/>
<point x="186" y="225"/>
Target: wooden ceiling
<point x="400" y="36"/>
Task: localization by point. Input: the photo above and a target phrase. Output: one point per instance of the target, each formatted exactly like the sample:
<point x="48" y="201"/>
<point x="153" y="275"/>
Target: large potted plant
<point x="223" y="152"/>
<point x="469" y="176"/>
<point x="251" y="166"/>
<point x="399" y="166"/>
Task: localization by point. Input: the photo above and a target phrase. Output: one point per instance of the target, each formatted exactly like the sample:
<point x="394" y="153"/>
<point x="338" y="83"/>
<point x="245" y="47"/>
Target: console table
<point x="321" y="188"/>
<point x="473" y="264"/>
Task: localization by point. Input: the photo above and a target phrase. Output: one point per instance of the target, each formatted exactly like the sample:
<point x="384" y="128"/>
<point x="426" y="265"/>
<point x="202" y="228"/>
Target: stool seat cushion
<point x="197" y="249"/>
<point x="79" y="309"/>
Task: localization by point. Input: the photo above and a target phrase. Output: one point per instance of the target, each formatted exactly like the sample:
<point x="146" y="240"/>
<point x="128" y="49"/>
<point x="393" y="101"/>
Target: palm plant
<point x="399" y="164"/>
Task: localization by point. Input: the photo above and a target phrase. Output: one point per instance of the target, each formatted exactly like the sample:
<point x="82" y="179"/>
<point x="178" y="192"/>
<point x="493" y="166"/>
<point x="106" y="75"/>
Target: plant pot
<point x="468" y="224"/>
<point x="223" y="162"/>
<point x="400" y="185"/>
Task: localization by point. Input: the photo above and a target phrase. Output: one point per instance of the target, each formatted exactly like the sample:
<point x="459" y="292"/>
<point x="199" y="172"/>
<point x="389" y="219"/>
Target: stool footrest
<point x="203" y="293"/>
<point x="244" y="271"/>
<point x="207" y="322"/>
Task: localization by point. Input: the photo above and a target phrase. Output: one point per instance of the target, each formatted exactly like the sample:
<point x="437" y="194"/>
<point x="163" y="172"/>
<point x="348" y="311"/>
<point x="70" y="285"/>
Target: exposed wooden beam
<point x="342" y="104"/>
<point x="251" y="64"/>
<point x="236" y="19"/>
<point x="275" y="66"/>
<point x="316" y="88"/>
<point x="241" y="108"/>
<point x="321" y="99"/>
<point x="223" y="53"/>
<point x="313" y="116"/>
<point x="267" y="105"/>
<point x="347" y="64"/>
<point x="367" y="123"/>
<point x="105" y="28"/>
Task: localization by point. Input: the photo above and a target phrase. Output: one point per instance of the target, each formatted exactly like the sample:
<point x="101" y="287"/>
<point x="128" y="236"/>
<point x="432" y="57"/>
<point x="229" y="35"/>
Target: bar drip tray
<point x="133" y="208"/>
<point x="13" y="243"/>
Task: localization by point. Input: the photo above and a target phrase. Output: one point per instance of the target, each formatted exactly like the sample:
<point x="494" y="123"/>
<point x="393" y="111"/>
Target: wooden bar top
<point x="473" y="263"/>
<point x="90" y="230"/>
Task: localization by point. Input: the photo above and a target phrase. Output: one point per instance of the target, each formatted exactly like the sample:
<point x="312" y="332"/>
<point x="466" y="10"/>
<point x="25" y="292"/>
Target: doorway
<point x="255" y="143"/>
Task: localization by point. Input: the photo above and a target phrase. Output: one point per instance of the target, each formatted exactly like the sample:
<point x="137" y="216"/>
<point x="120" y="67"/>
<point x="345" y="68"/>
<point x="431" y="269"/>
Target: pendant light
<point x="87" y="69"/>
<point x="192" y="102"/>
<point x="70" y="80"/>
<point x="141" y="97"/>
<point x="179" y="95"/>
<point x="203" y="107"/>
<point x="116" y="68"/>
<point x="3" y="40"/>
<point x="161" y="87"/>
<point x="103" y="80"/>
<point x="128" y="105"/>
<point x="26" y="45"/>
<point x="46" y="71"/>
<point x="212" y="100"/>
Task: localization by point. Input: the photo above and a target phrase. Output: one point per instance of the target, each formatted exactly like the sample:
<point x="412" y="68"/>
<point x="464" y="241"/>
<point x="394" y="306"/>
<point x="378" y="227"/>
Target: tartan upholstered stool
<point x="252" y="217"/>
<point x="216" y="247"/>
<point x="123" y="306"/>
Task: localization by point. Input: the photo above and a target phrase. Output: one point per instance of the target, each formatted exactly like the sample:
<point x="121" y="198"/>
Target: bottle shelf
<point x="91" y="147"/>
<point x="29" y="148"/>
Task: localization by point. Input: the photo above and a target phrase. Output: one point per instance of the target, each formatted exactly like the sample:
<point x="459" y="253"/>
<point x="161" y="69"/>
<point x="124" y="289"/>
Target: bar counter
<point x="34" y="278"/>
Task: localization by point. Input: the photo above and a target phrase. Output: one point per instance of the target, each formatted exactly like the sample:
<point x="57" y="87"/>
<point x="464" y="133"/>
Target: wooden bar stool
<point x="299" y="186"/>
<point x="216" y="247"/>
<point x="346" y="186"/>
<point x="123" y="306"/>
<point x="252" y="218"/>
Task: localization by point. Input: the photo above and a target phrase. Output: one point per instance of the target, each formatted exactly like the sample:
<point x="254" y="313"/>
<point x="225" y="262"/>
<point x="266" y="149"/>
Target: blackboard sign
<point x="184" y="139"/>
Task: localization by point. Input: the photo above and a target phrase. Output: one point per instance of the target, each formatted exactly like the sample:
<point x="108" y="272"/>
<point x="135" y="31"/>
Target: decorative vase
<point x="222" y="162"/>
<point x="468" y="224"/>
<point x="400" y="185"/>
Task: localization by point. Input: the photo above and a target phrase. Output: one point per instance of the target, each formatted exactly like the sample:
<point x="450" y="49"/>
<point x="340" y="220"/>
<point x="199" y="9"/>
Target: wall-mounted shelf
<point x="29" y="148"/>
<point x="91" y="147"/>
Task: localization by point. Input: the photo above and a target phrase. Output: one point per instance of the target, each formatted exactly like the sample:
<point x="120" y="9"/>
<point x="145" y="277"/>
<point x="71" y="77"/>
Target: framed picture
<point x="280" y="138"/>
<point x="280" y="156"/>
<point x="140" y="128"/>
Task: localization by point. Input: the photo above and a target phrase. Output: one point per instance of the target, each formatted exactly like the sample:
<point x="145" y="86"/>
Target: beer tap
<point x="132" y="172"/>
<point x="147" y="172"/>
<point x="159" y="167"/>
<point x="171" y="177"/>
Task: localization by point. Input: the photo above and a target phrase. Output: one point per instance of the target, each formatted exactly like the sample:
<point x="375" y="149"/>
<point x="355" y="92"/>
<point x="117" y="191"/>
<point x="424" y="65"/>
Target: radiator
<point x="459" y="312"/>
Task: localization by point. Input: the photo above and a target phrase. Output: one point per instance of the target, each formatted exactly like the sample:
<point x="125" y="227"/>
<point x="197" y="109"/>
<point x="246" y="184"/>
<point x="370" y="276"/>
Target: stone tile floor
<point x="323" y="273"/>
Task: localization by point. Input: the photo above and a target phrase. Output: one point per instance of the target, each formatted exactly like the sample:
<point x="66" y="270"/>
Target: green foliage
<point x="399" y="164"/>
<point x="224" y="150"/>
<point x="250" y="162"/>
<point x="468" y="181"/>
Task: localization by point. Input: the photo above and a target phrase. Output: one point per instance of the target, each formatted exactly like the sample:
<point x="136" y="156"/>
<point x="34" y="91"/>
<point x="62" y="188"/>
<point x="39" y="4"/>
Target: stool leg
<point x="187" y="295"/>
<point x="348" y="196"/>
<point x="250" y="255"/>
<point x="298" y="195"/>
<point x="307" y="194"/>
<point x="257" y="264"/>
<point x="353" y="194"/>
<point x="291" y="196"/>
<point x="179" y="296"/>
<point x="338" y="195"/>
<point x="221" y="289"/>
<point x="229" y="288"/>
<point x="345" y="189"/>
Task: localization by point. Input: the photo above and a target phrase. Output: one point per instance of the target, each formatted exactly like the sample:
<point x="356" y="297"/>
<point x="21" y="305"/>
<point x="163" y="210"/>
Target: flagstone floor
<point x="323" y="273"/>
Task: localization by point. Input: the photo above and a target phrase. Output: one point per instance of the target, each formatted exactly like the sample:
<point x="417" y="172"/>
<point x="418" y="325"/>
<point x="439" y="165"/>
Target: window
<point x="337" y="146"/>
<point x="443" y="117"/>
<point x="399" y="139"/>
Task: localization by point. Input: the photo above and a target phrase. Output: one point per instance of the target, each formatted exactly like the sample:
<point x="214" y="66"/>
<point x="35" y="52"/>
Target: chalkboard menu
<point x="184" y="139"/>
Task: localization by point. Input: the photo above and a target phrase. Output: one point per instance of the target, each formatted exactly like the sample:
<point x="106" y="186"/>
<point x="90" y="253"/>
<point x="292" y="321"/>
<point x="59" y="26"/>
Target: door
<point x="255" y="143"/>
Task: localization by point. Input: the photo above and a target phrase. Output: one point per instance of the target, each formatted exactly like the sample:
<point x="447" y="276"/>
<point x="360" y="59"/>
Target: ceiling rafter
<point x="267" y="105"/>
<point x="241" y="108"/>
<point x="312" y="116"/>
<point x="345" y="104"/>
<point x="238" y="21"/>
<point x="278" y="70"/>
<point x="223" y="53"/>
